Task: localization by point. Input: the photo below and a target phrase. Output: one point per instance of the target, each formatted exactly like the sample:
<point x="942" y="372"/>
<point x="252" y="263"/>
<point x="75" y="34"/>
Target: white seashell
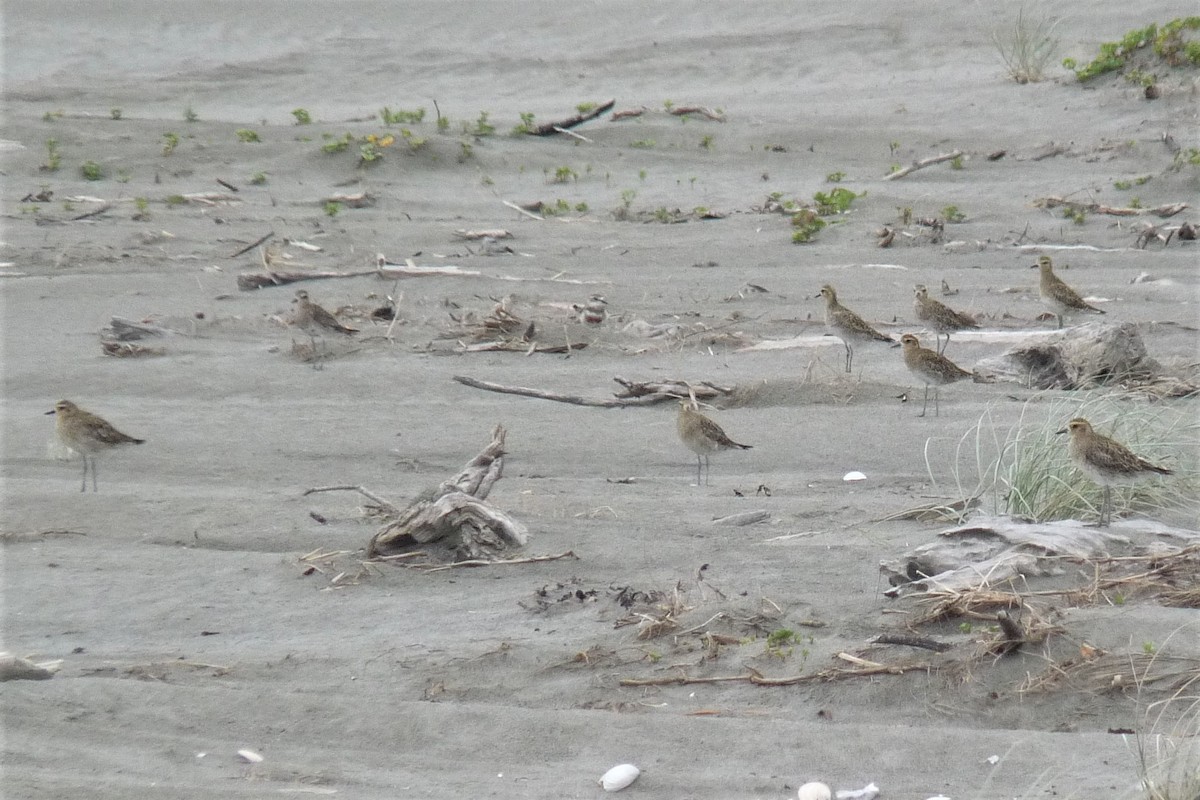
<point x="619" y="777"/>
<point x="850" y="477"/>
<point x="868" y="792"/>
<point x="815" y="791"/>
<point x="993" y="760"/>
<point x="250" y="756"/>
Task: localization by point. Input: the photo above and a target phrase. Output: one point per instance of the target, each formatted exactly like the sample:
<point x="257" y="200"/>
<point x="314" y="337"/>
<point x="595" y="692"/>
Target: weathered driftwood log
<point x="553" y="127"/>
<point x="635" y="394"/>
<point x="455" y="516"/>
<point x="120" y="329"/>
<point x="15" y="668"/>
<point x="248" y="281"/>
<point x="1077" y="357"/>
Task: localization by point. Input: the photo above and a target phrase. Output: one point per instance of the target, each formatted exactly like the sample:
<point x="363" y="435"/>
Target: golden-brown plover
<point x="702" y="436"/>
<point x="314" y="320"/>
<point x="1056" y="295"/>
<point x="940" y="317"/>
<point x="848" y="326"/>
<point x="931" y="368"/>
<point x="86" y="434"/>
<point x="1107" y="462"/>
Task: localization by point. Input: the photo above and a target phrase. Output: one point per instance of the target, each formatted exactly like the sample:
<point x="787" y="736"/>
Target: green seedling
<point x="706" y="142"/>
<point x="50" y="116"/>
<point x="564" y="174"/>
<point x="302" y="116"/>
<point x="807" y="225"/>
<point x="584" y="108"/>
<point x="114" y="113"/>
<point x="482" y="126"/>
<point x="332" y="207"/>
<point x="643" y="144"/>
<point x="443" y="124"/>
<point x="952" y="214"/>
<point x="170" y="142"/>
<point x="835" y="177"/>
<point x="258" y="179"/>
<point x="581" y="207"/>
<point x="247" y="136"/>
<point x="956" y="162"/>
<point x="1122" y="185"/>
<point x="465" y="151"/>
<point x="401" y="116"/>
<point x="836" y="201"/>
<point x="189" y="115"/>
<point x="173" y="200"/>
<point x="53" y="157"/>
<point x="337" y="145"/>
<point x="91" y="171"/>
<point x="143" y="209"/>
<point x="526" y="125"/>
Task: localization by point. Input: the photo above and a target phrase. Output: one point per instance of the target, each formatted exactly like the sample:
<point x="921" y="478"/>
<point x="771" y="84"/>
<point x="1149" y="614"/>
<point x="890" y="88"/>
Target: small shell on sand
<point x="250" y="757"/>
<point x="619" y="777"/>
<point x="851" y="477"/>
<point x="815" y="791"/>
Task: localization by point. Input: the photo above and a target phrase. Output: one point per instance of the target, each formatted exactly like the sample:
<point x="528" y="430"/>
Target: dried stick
<point x="923" y="163"/>
<point x="680" y="111"/>
<point x="488" y="386"/>
<point x="479" y="562"/>
<point x="252" y="245"/>
<point x="571" y="122"/>
<point x="911" y="641"/>
<point x="374" y="498"/>
<point x="529" y="214"/>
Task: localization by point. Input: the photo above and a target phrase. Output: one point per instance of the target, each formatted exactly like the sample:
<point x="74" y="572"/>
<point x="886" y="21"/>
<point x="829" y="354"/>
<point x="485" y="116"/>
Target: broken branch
<point x="923" y="163"/>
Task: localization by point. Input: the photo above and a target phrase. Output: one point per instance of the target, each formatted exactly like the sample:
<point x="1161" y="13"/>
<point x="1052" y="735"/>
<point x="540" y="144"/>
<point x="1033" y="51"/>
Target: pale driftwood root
<point x="925" y="162"/>
<point x="455" y="516"/>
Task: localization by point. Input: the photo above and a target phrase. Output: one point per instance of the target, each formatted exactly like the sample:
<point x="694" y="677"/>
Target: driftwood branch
<point x="635" y="394"/>
<point x="455" y="515"/>
<point x="249" y="281"/>
<point x="374" y="498"/>
<point x="908" y="640"/>
<point x="252" y="245"/>
<point x="681" y="111"/>
<point x="570" y="122"/>
<point x="1165" y="210"/>
<point x="923" y="163"/>
<point x="824" y="676"/>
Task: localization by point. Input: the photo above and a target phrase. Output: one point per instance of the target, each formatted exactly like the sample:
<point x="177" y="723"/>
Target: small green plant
<point x="1148" y="648"/>
<point x="643" y="144"/>
<point x="564" y="174"/>
<point x="336" y="145"/>
<point x="486" y="180"/>
<point x="662" y="215"/>
<point x="1026" y="47"/>
<point x="53" y="157"/>
<point x="1118" y="599"/>
<point x="443" y="124"/>
<point x="1143" y="180"/>
<point x="584" y="108"/>
<point x="1113" y="55"/>
<point x="835" y="177"/>
<point x="526" y="125"/>
<point x="581" y="207"/>
<point x="894" y="147"/>
<point x="465" y="151"/>
<point x="413" y="141"/>
<point x="332" y="207"/>
<point x="956" y="162"/>
<point x="189" y="115"/>
<point x="91" y="171"/>
<point x="1135" y="202"/>
<point x="247" y="136"/>
<point x="114" y="113"/>
<point x="401" y="116"/>
<point x="50" y="116"/>
<point x="482" y="127"/>
<point x="906" y="216"/>
<point x="706" y="142"/>
<point x="124" y="176"/>
<point x="642" y="174"/>
<point x="807" y="224"/>
<point x="781" y="642"/>
<point x="170" y="142"/>
<point x="174" y="200"/>
<point x="1171" y="46"/>
<point x="668" y="104"/>
<point x="1076" y="215"/>
<point x="952" y="214"/>
<point x="836" y="201"/>
<point x="258" y="179"/>
<point x="302" y="116"/>
<point x="1122" y="185"/>
<point x="143" y="209"/>
<point x="965" y="627"/>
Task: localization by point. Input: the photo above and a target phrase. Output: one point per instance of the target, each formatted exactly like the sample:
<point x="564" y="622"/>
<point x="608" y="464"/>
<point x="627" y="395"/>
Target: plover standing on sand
<point x="702" y="436"/>
<point x="1056" y="295"/>
<point x="86" y="434"/>
<point x="314" y="320"/>
<point x="931" y="368"/>
<point x="848" y="326"/>
<point x="1107" y="462"/>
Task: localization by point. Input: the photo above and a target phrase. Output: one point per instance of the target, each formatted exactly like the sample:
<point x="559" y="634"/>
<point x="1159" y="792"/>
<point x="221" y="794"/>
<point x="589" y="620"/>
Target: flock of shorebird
<point x="1104" y="460"/>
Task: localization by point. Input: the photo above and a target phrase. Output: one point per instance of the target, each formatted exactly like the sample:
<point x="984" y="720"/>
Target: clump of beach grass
<point x="1027" y="46"/>
<point x="1025" y="469"/>
<point x="1166" y="747"/>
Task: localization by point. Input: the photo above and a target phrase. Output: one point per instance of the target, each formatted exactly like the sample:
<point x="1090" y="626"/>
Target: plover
<point x="314" y="320"/>
<point x="1056" y="295"/>
<point x="931" y="368"/>
<point x="702" y="436"/>
<point x="86" y="434"/>
<point x="848" y="326"/>
<point x="594" y="312"/>
<point x="940" y="317"/>
<point x="1107" y="462"/>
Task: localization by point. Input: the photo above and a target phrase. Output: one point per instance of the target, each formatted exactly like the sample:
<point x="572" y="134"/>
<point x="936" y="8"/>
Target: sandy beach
<point x="200" y="603"/>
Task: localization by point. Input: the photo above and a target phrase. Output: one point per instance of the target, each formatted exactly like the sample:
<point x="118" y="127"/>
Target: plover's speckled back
<point x="940" y="317"/>
<point x="1107" y="462"/>
<point x="848" y="326"/>
<point x="1056" y="295"/>
<point x="314" y="320"/>
<point x="702" y="436"/>
<point x="86" y="434"/>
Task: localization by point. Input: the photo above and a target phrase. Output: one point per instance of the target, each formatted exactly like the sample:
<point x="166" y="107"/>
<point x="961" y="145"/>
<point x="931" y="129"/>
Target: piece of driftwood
<point x="120" y="329"/>
<point x="550" y="128"/>
<point x="1165" y="210"/>
<point x="455" y="517"/>
<point x="355" y="200"/>
<point x="635" y="393"/>
<point x="628" y="113"/>
<point x="682" y="111"/>
<point x="922" y="164"/>
<point x="15" y="668"/>
<point x="909" y="640"/>
<point x="249" y="281"/>
<point x="673" y="389"/>
<point x="493" y="233"/>
<point x="743" y="518"/>
<point x="129" y="349"/>
<point x="261" y="240"/>
<point x="1012" y="633"/>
